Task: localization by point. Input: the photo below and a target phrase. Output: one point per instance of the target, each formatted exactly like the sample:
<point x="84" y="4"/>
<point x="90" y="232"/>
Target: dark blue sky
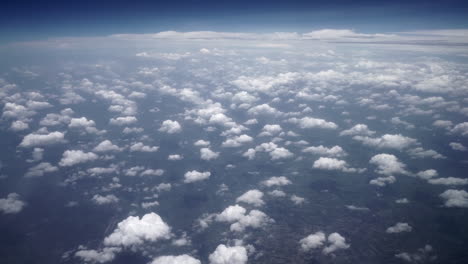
<point x="38" y="19"/>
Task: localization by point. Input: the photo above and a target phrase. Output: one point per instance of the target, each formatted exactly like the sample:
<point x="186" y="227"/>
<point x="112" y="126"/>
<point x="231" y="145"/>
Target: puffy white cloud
<point x="427" y="174"/>
<point x="422" y="153"/>
<point x="201" y="143"/>
<point x="107" y="199"/>
<point x="237" y="141"/>
<point x="90" y="255"/>
<point x="106" y="146"/>
<point x="297" y="200"/>
<point x="336" y="242"/>
<point x="250" y="154"/>
<point x="40" y="169"/>
<point x="455" y="198"/>
<point x="231" y="213"/>
<point x="332" y="164"/>
<point x="357" y="208"/>
<point x="194" y="176"/>
<point x="383" y="181"/>
<point x="236" y="215"/>
<point x="253" y="197"/>
<point x="208" y="154"/>
<point x="19" y="125"/>
<point x="152" y="172"/>
<point x="461" y="128"/>
<point x="170" y="127"/>
<point x="422" y="255"/>
<point x="229" y="255"/>
<point x="73" y="157"/>
<point x="175" y="157"/>
<point x="277" y="193"/>
<point x="53" y="119"/>
<point x="399" y="227"/>
<point x="388" y="164"/>
<point x="270" y="130"/>
<point x="81" y="122"/>
<point x="458" y="146"/>
<point x="276" y="181"/>
<point x="35" y="140"/>
<point x="443" y="124"/>
<point x="309" y="122"/>
<point x="139" y="146"/>
<point x="272" y="149"/>
<point x="448" y="181"/>
<point x="387" y="141"/>
<point x="123" y="120"/>
<point x="357" y="130"/>
<point x="263" y="109"/>
<point x="12" y="204"/>
<point x="181" y="259"/>
<point x="280" y="153"/>
<point x="265" y="83"/>
<point x="134" y="231"/>
<point x="313" y="241"/>
<point x="335" y="151"/>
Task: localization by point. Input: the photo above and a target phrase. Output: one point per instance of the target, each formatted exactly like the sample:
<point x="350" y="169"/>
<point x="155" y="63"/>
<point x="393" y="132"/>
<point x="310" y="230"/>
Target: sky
<point x="29" y="20"/>
<point x="234" y="132"/>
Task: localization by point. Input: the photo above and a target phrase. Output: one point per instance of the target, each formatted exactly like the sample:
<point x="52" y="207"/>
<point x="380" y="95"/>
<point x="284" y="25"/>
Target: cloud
<point x="422" y="255"/>
<point x="139" y="146"/>
<point x="422" y="153"/>
<point x="263" y="109"/>
<point x="123" y="120"/>
<point x="270" y="130"/>
<point x="357" y="130"/>
<point x="134" y="231"/>
<point x="35" y="140"/>
<point x="388" y="164"/>
<point x="399" y="227"/>
<point x="208" y="154"/>
<point x="152" y="172"/>
<point x="455" y="198"/>
<point x="297" y="200"/>
<point x="40" y="169"/>
<point x="106" y="146"/>
<point x="19" y="126"/>
<point x="175" y="157"/>
<point x="333" y="164"/>
<point x="448" y="181"/>
<point x="313" y="241"/>
<point x="194" y="176"/>
<point x="229" y="255"/>
<point x="170" y="127"/>
<point x="107" y="199"/>
<point x="73" y="157"/>
<point x="458" y="146"/>
<point x="90" y="255"/>
<point x="336" y="242"/>
<point x="277" y="193"/>
<point x="387" y="141"/>
<point x="276" y="181"/>
<point x="237" y="141"/>
<point x="181" y="259"/>
<point x="253" y="197"/>
<point x="309" y="122"/>
<point x="461" y="128"/>
<point x="12" y="204"/>
<point x="383" y="181"/>
<point x="236" y="215"/>
<point x="335" y="151"/>
<point x="274" y="150"/>
<point x="201" y="143"/>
